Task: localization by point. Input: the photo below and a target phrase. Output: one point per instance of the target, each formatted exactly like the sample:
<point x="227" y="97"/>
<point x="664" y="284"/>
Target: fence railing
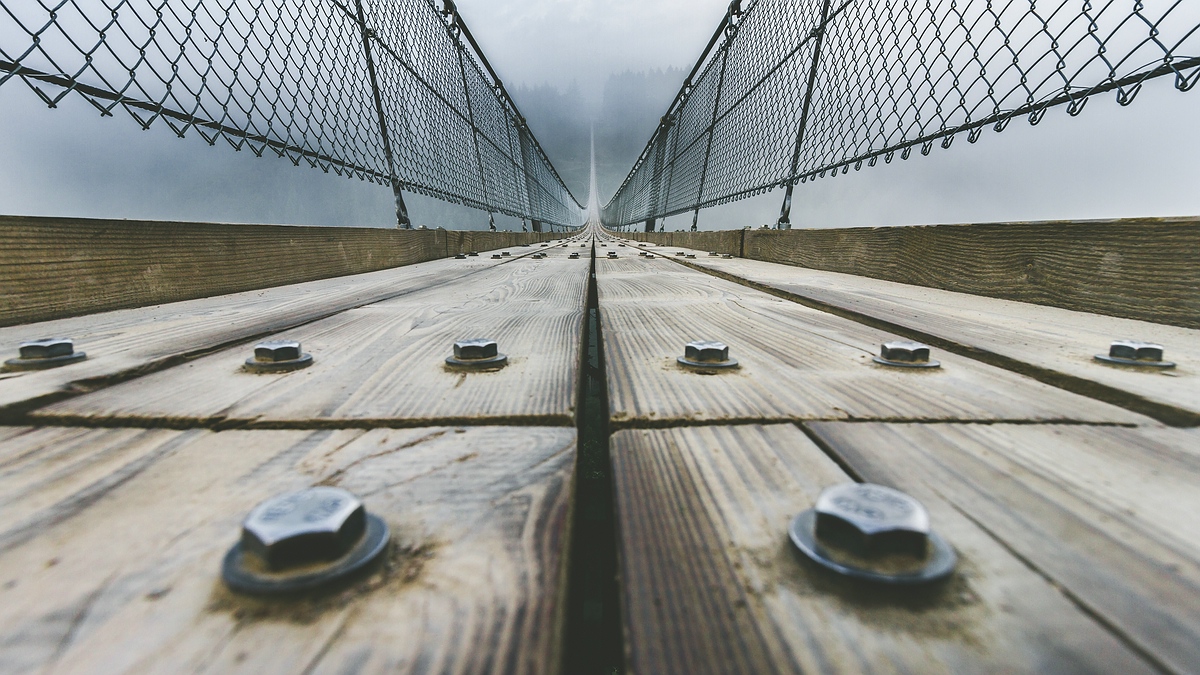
<point x="391" y="91"/>
<point x="791" y="90"/>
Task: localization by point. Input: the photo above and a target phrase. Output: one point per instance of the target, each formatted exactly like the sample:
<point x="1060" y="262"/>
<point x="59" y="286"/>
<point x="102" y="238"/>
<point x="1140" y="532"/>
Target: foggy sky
<point x="1143" y="160"/>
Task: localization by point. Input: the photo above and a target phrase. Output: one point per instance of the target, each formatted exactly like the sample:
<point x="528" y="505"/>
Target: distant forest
<point x="629" y="110"/>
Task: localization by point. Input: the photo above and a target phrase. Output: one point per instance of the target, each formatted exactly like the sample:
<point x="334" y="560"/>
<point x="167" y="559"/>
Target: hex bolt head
<point x="872" y="521"/>
<point x="460" y="256"/>
<point x="473" y="254"/>
<point x="1135" y="353"/>
<point x="727" y="255"/>
<point x="45" y="353"/>
<point x="277" y="351"/>
<point x="680" y="253"/>
<point x="299" y="528"/>
<point x="476" y="348"/>
<point x="496" y="256"/>
<point x="713" y="254"/>
<point x="506" y="254"/>
<point x="277" y="356"/>
<point x="707" y="351"/>
<point x="905" y="354"/>
<point x="873" y="532"/>
<point x="706" y="354"/>
<point x="477" y="353"/>
<point x="47" y="348"/>
<point x="303" y="540"/>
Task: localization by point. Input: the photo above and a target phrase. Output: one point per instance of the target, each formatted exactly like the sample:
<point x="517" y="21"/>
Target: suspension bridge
<point x="593" y="446"/>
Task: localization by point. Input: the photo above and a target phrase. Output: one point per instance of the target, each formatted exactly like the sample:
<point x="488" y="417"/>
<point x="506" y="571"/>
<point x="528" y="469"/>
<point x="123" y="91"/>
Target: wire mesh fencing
<point x="395" y="92"/>
<point x="792" y="90"/>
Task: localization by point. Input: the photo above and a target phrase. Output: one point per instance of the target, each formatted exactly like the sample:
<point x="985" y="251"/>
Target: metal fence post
<point x="402" y="219"/>
<point x="818" y="35"/>
<point x="730" y="29"/>
<point x="660" y="151"/>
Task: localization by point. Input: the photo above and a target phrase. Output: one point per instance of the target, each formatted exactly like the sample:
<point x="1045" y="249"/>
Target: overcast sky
<point x="1109" y="162"/>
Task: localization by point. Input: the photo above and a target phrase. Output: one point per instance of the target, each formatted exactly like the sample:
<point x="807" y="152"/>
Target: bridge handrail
<point x="395" y="92"/>
<point x="792" y="90"/>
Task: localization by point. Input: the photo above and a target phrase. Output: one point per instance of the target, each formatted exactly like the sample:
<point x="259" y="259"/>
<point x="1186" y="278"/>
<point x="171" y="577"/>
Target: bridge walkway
<point x="124" y="478"/>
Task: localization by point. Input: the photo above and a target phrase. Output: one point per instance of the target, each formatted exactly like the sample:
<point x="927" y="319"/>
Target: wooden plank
<point x="384" y="364"/>
<point x="711" y="583"/>
<point x="796" y="363"/>
<point x="60" y="267"/>
<point x="124" y="343"/>
<point x="1104" y="513"/>
<point x="1055" y="345"/>
<point x="1137" y="268"/>
<point x="127" y="579"/>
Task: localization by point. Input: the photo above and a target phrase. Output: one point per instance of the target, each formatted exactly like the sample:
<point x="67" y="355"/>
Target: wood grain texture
<point x="126" y="579"/>
<point x="384" y="364"/>
<point x="126" y="342"/>
<point x="60" y="267"/>
<point x="796" y="363"/>
<point x="711" y="583"/>
<point x="1053" y="344"/>
<point x="1138" y="268"/>
<point x="1105" y="513"/>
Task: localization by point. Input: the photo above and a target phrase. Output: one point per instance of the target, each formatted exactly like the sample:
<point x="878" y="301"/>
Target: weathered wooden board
<point x="1055" y="345"/>
<point x="1138" y="268"/>
<point x="384" y="364"/>
<point x="120" y="572"/>
<point x="1106" y="514"/>
<point x="126" y="342"/>
<point x="712" y="584"/>
<point x="796" y="363"/>
<point x="59" y="267"/>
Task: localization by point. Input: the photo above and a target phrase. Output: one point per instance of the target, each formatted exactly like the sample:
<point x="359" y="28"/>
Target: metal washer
<point x="373" y="543"/>
<point x="495" y="361"/>
<point x="255" y="366"/>
<point x="1164" y="365"/>
<point x="44" y="364"/>
<point x="941" y="562"/>
<point x="707" y="365"/>
<point x="906" y="364"/>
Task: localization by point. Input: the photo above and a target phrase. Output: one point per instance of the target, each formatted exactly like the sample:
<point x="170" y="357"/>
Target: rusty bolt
<point x="873" y="532"/>
<point x="302" y="540"/>
<point x="905" y="353"/>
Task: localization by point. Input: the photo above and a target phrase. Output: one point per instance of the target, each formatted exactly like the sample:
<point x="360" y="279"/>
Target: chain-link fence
<point x="791" y="90"/>
<point x="391" y="91"/>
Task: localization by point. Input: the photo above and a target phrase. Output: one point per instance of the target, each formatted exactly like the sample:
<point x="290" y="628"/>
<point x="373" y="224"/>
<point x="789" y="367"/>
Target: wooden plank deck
<point x="384" y="364"/>
<point x="129" y="342"/>
<point x="796" y="363"/>
<point x="113" y="540"/>
<point x="1053" y="344"/>
<point x="1106" y="514"/>
<point x="711" y="583"/>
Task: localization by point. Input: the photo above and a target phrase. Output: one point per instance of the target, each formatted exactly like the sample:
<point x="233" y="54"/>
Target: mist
<point x="574" y="66"/>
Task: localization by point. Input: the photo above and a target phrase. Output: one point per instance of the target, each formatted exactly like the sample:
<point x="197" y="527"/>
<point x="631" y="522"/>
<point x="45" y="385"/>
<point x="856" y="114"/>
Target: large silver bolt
<point x="872" y="521"/>
<point x="707" y="354"/>
<point x="301" y="540"/>
<point x="905" y="354"/>
<point x="1135" y="353"/>
<point x="278" y="356"/>
<point x="45" y="353"/>
<point x="321" y="523"/>
<point x="873" y="532"/>
<point x="477" y="353"/>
